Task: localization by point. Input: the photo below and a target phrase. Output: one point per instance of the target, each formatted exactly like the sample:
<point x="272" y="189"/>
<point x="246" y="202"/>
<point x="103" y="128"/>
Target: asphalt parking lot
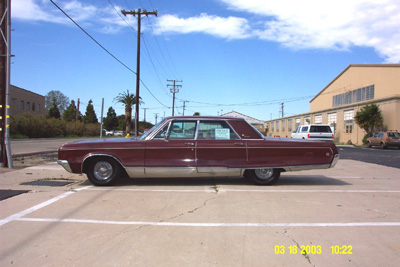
<point x="345" y="216"/>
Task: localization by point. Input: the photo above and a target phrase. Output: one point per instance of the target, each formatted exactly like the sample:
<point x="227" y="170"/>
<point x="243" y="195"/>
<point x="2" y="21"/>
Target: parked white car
<point x="314" y="132"/>
<point x="108" y="133"/>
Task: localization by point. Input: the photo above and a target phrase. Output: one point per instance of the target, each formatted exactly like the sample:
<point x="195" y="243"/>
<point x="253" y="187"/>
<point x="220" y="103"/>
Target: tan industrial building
<point x="338" y="103"/>
<point x="22" y="101"/>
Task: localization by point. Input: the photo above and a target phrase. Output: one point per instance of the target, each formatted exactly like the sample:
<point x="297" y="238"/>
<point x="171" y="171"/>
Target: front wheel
<point x="103" y="171"/>
<point x="267" y="176"/>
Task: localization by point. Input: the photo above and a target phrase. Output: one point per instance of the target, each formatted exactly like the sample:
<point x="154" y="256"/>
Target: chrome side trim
<point x="65" y="165"/>
<point x="220" y="171"/>
<point x="293" y="168"/>
<point x="335" y="160"/>
<point x="135" y="171"/>
<point x="180" y="172"/>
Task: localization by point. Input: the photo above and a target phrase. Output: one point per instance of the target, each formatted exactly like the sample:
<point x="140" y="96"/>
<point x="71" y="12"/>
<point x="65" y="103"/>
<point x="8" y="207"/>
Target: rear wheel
<point x="103" y="171"/>
<point x="383" y="146"/>
<point x="267" y="176"/>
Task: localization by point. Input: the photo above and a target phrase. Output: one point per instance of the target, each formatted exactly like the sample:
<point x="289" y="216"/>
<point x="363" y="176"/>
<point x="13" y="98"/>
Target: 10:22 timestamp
<point x="312" y="249"/>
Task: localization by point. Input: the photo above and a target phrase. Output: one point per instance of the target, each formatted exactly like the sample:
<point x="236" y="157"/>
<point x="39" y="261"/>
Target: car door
<point x="172" y="151"/>
<point x="219" y="149"/>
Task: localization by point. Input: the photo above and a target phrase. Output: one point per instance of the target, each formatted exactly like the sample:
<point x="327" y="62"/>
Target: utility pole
<point x="174" y="90"/>
<point x="77" y="111"/>
<point x="282" y="106"/>
<point x="156" y="116"/>
<point x="5" y="55"/>
<point x="183" y="111"/>
<point x="139" y="14"/>
<point x="145" y="113"/>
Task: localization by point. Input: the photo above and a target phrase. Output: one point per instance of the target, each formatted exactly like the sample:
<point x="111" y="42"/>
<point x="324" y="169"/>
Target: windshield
<point x="151" y="130"/>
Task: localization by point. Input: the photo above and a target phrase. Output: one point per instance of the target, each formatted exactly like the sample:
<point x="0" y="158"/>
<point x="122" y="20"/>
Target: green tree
<point x="369" y="118"/>
<point x="128" y="100"/>
<point x="70" y="113"/>
<point x="121" y="122"/>
<point x="57" y="98"/>
<point x="54" y="112"/>
<point x="111" y="121"/>
<point x="90" y="114"/>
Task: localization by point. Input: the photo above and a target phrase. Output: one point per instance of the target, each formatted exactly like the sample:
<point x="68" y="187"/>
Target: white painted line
<point x="345" y="177"/>
<point x="244" y="190"/>
<point x="310" y="191"/>
<point x="18" y="216"/>
<point x="178" y="224"/>
<point x="154" y="190"/>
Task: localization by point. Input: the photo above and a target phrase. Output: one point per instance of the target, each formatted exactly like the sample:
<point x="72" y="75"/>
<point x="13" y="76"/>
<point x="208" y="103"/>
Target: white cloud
<point x="103" y="19"/>
<point x="336" y="24"/>
<point x="229" y="28"/>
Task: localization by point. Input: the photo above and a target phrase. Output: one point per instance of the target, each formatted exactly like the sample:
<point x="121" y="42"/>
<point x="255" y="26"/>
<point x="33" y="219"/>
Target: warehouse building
<point x="22" y="101"/>
<point x="338" y="103"/>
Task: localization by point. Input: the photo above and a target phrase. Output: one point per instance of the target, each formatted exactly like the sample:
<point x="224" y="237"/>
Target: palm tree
<point x="129" y="100"/>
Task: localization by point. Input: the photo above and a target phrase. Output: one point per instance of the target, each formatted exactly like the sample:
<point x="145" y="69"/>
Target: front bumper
<point x="65" y="164"/>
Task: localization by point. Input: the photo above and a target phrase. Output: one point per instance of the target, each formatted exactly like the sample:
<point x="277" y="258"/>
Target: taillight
<point x="332" y="136"/>
<point x="309" y="135"/>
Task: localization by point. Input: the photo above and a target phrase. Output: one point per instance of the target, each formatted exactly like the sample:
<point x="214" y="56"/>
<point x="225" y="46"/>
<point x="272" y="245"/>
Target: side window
<point x="161" y="134"/>
<point x="380" y="135"/>
<point x="182" y="130"/>
<point x="304" y="129"/>
<point x="216" y="130"/>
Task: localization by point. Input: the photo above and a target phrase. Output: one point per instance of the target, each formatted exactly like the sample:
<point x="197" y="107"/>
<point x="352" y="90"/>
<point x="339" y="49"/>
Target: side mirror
<point x="166" y="138"/>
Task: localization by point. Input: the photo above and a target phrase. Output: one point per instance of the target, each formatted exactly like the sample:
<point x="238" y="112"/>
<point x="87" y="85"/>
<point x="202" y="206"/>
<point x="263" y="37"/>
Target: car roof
<point x="205" y="118"/>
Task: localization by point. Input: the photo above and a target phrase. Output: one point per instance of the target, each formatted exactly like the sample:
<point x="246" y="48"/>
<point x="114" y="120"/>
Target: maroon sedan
<point x="196" y="147"/>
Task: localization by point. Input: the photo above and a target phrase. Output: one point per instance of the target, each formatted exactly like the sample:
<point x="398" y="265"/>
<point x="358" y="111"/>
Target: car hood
<point x="104" y="142"/>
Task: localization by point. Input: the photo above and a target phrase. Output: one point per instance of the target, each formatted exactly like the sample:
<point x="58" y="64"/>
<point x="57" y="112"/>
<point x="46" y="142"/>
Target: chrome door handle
<point x="239" y="143"/>
<point x="189" y="144"/>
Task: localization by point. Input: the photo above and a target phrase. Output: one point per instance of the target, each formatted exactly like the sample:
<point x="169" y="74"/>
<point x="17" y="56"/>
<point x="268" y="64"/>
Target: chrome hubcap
<point x="264" y="173"/>
<point x="103" y="170"/>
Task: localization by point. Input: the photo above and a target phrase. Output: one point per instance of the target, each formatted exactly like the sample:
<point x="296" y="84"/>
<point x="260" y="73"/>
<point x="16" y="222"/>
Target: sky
<point x="249" y="56"/>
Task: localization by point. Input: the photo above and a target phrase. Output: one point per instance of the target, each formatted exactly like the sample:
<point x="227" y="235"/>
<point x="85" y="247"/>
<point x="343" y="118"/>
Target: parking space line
<point x="244" y="190"/>
<point x="182" y="224"/>
<point x="154" y="190"/>
<point x="18" y="215"/>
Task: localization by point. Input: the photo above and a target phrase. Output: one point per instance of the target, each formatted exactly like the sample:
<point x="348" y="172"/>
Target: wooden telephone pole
<point x="174" y="90"/>
<point x="139" y="14"/>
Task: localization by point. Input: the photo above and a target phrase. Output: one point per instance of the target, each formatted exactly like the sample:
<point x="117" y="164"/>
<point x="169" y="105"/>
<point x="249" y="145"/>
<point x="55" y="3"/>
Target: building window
<point x="33" y="107"/>
<point x="272" y="127"/>
<point x="297" y="122"/>
<point x="358" y="95"/>
<point x="38" y="107"/>
<point x="307" y="120"/>
<point x="348" y="120"/>
<point x="28" y="106"/>
<point x="318" y="119"/>
<point x="290" y="122"/>
<point x="22" y="105"/>
<point x="283" y="126"/>
<point x="277" y="126"/>
<point x="332" y="119"/>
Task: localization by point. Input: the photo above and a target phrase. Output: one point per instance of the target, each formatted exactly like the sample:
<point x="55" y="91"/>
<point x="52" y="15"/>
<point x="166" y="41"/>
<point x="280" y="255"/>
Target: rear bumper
<point x="335" y="160"/>
<point x="65" y="164"/>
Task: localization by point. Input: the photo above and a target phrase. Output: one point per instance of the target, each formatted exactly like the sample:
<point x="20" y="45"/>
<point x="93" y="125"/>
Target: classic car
<point x="196" y="147"/>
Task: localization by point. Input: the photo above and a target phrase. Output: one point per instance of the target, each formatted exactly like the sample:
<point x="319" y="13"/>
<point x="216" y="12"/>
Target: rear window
<point x="394" y="135"/>
<point x="320" y="129"/>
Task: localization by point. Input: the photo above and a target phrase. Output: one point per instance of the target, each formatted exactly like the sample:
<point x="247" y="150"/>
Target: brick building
<point x="22" y="101"/>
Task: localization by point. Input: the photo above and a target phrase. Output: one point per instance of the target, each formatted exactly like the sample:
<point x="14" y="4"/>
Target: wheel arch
<point x="89" y="158"/>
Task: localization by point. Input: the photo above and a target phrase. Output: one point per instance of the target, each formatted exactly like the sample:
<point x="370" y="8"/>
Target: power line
<point x="94" y="40"/>
<point x="108" y="52"/>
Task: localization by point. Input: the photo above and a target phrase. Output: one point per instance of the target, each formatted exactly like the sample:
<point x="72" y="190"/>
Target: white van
<point x="314" y="132"/>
